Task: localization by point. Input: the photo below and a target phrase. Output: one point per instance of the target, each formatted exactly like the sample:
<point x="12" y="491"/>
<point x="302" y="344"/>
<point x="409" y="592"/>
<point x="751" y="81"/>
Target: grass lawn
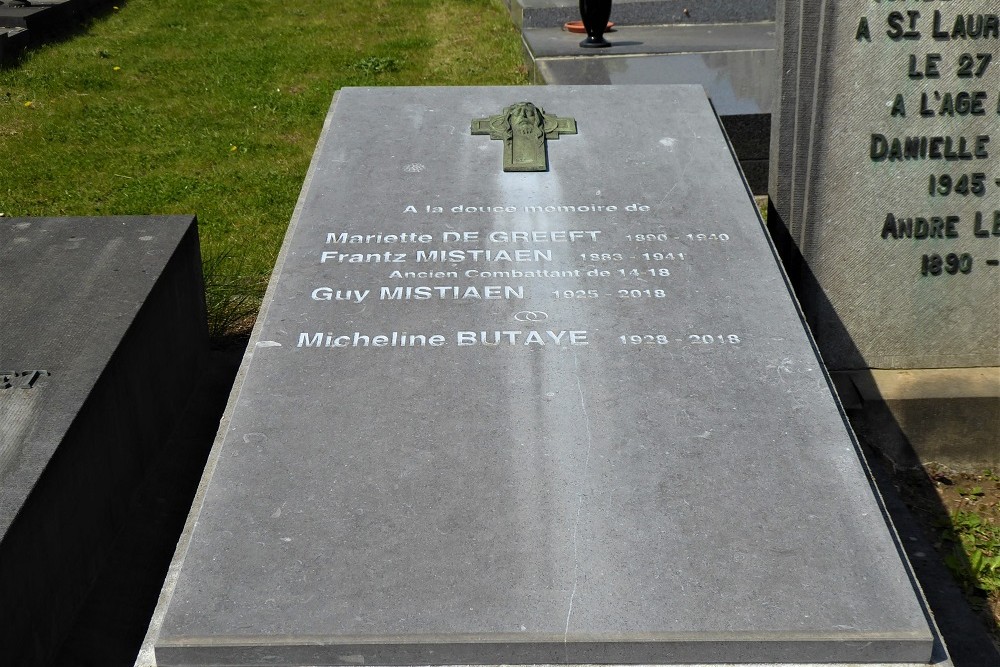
<point x="214" y="108"/>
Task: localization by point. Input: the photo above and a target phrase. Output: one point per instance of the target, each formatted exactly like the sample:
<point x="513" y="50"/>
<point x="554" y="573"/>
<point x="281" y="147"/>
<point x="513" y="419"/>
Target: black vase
<point x="595" y="15"/>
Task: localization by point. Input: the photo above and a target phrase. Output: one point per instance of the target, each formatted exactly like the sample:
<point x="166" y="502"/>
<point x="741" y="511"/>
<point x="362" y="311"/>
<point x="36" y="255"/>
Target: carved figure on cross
<point x="524" y="129"/>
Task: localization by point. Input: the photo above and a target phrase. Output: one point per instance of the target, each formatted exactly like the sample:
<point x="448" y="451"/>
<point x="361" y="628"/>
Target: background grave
<point x="104" y="337"/>
<point x="884" y="190"/>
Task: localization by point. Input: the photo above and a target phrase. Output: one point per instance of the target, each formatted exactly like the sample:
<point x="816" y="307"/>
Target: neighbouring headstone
<point x="724" y="45"/>
<point x="103" y="337"/>
<point x="885" y="176"/>
<point x="562" y="416"/>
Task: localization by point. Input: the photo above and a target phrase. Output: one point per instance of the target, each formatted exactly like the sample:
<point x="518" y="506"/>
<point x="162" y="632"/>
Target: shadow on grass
<point x="232" y="298"/>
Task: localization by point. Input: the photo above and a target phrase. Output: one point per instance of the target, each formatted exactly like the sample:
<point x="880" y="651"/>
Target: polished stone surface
<point x="553" y="13"/>
<point x="654" y="40"/>
<point x="736" y="81"/>
<point x="736" y="64"/>
<point x="592" y="430"/>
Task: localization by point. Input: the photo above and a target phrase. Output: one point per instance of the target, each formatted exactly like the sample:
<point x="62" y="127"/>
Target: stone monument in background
<point x="885" y="202"/>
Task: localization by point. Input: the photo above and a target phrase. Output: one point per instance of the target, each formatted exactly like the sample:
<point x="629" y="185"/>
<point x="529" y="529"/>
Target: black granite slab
<point x="12" y="42"/>
<point x="103" y="336"/>
<point x="553" y="13"/>
<point x="39" y="19"/>
<point x="736" y="65"/>
<point x="655" y="40"/>
<point x="513" y="418"/>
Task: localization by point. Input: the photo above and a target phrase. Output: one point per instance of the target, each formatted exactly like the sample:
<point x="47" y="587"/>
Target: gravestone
<point x="104" y="335"/>
<point x="725" y="46"/>
<point x="536" y="13"/>
<point x="36" y="18"/>
<point x="885" y="176"/>
<point x="525" y="417"/>
<point x="12" y="42"/>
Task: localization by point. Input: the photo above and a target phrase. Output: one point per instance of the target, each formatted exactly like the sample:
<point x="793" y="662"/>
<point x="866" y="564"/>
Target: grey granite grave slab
<point x="881" y="288"/>
<point x="103" y="338"/>
<point x="557" y="417"/>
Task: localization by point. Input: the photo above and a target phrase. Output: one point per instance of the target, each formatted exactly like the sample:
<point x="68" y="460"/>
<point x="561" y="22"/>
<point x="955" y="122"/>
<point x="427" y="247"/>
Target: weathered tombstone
<point x="885" y="177"/>
<point x="103" y="337"/>
<point x="530" y="417"/>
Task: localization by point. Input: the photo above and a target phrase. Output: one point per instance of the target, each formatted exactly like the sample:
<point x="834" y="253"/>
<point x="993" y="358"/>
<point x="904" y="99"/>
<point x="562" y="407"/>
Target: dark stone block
<point x="25" y="17"/>
<point x="750" y="134"/>
<point x="553" y="13"/>
<point x="735" y="64"/>
<point x="661" y="40"/>
<point x="46" y="18"/>
<point x="40" y="19"/>
<point x="13" y="41"/>
<point x="925" y="414"/>
<point x="104" y="336"/>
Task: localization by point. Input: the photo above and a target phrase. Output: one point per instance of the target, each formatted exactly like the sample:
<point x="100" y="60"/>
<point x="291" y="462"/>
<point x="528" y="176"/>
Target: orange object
<point x="577" y="26"/>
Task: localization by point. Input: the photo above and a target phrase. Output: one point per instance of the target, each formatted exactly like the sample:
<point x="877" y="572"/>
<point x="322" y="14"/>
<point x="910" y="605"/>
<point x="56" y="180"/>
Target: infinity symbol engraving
<point x="531" y="316"/>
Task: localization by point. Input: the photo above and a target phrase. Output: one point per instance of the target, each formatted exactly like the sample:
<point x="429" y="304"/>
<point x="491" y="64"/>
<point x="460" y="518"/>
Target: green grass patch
<point x="975" y="556"/>
<point x="214" y="108"/>
<point x="965" y="517"/>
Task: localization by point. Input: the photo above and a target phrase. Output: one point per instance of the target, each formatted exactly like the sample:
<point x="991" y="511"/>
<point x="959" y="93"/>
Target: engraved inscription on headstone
<point x="19" y="400"/>
<point x="483" y="408"/>
<point x="890" y="189"/>
<point x="524" y="128"/>
<point x="22" y="379"/>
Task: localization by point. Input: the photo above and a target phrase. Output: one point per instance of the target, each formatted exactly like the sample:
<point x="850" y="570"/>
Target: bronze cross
<point x="523" y="127"/>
